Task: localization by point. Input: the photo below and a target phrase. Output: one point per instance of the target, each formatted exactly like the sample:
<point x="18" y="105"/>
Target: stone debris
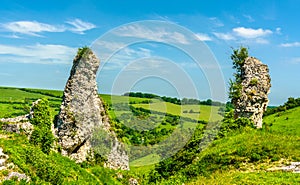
<point x="19" y="176"/>
<point x="82" y="112"/>
<point x="293" y="167"/>
<point x="256" y="86"/>
<point x="19" y="124"/>
<point x="4" y="165"/>
<point x="133" y="181"/>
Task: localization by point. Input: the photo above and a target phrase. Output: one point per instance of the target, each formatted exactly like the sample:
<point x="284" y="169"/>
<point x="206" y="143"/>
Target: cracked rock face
<point x="255" y="89"/>
<point x="82" y="111"/>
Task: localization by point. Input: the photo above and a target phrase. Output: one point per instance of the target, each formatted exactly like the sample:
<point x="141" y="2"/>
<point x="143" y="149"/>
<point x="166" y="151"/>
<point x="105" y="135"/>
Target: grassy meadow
<point x="243" y="156"/>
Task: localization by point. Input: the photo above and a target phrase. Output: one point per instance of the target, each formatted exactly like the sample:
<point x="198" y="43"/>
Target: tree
<point x="238" y="58"/>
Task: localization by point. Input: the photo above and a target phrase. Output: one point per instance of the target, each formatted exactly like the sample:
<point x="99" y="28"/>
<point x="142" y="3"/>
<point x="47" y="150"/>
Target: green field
<point x="197" y="112"/>
<point x="19" y="97"/>
<point x="242" y="157"/>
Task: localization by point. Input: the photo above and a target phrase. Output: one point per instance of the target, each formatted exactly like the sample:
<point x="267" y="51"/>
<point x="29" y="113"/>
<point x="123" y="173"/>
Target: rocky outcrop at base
<point x="5" y="166"/>
<point x="82" y="113"/>
<point x="19" y="124"/>
<point x="253" y="100"/>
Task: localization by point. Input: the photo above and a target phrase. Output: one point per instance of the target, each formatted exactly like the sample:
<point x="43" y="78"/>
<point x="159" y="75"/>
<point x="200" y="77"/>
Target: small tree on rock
<point x="238" y="58"/>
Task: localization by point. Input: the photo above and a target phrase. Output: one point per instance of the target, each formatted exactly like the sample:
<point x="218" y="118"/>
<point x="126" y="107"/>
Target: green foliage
<point x="42" y="121"/>
<point x="52" y="168"/>
<point x="290" y="104"/>
<point x="82" y="51"/>
<point x="234" y="91"/>
<point x="137" y="127"/>
<point x="238" y="58"/>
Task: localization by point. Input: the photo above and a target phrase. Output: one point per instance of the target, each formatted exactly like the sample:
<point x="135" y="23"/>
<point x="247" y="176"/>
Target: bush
<point x="42" y="135"/>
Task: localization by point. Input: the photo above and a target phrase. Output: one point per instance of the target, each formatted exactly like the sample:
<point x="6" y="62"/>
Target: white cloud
<point x="278" y="31"/>
<point x="250" y="33"/>
<point x="31" y="27"/>
<point x="203" y="37"/>
<point x="224" y="36"/>
<point x="43" y="54"/>
<point x="261" y="41"/>
<point x="288" y="45"/>
<point x="158" y="34"/>
<point x="80" y="26"/>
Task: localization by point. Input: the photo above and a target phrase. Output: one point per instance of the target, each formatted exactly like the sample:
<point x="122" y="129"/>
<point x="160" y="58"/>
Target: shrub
<point x="42" y="135"/>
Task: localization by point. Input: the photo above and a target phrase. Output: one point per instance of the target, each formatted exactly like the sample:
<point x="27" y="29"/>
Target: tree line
<point x="184" y="101"/>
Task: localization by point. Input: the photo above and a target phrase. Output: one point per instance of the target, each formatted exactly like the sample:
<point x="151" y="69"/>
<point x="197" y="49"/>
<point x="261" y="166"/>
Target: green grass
<point x="287" y="122"/>
<point x="236" y="177"/>
<point x="146" y="161"/>
<point x="52" y="168"/>
<point x="243" y="157"/>
<point x="201" y="112"/>
<point x="114" y="99"/>
<point x="17" y="95"/>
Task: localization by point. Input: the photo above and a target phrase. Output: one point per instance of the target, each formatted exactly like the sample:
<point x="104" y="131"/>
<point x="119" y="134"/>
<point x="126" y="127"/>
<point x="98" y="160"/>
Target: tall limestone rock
<point x="255" y="88"/>
<point x="82" y="113"/>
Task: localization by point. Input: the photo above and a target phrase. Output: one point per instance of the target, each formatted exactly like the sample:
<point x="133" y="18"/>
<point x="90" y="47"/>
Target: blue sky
<point x="38" y="40"/>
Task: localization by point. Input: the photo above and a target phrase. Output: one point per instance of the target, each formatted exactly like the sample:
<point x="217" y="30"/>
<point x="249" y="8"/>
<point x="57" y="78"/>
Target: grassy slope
<point x="52" y="168"/>
<point x="279" y="141"/>
<point x="254" y="152"/>
<point x="206" y="112"/>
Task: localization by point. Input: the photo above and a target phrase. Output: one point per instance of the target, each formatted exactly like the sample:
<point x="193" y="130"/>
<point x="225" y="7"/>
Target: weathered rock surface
<point x="255" y="88"/>
<point x="82" y="112"/>
<point x="19" y="124"/>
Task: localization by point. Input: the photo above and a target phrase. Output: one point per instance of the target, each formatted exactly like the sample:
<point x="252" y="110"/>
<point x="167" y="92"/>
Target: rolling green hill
<point x="244" y="156"/>
<point x="241" y="155"/>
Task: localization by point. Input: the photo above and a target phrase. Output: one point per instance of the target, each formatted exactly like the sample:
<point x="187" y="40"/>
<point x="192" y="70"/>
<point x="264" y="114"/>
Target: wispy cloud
<point x="203" y="37"/>
<point x="295" y="60"/>
<point x="292" y="44"/>
<point x="216" y="22"/>
<point x="125" y="56"/>
<point x="250" y="33"/>
<point x="158" y="34"/>
<point x="278" y="31"/>
<point x="261" y="41"/>
<point x="224" y="36"/>
<point x="34" y="28"/>
<point x="39" y="53"/>
<point x="80" y="26"/>
<point x="249" y="18"/>
<point x="31" y="27"/>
